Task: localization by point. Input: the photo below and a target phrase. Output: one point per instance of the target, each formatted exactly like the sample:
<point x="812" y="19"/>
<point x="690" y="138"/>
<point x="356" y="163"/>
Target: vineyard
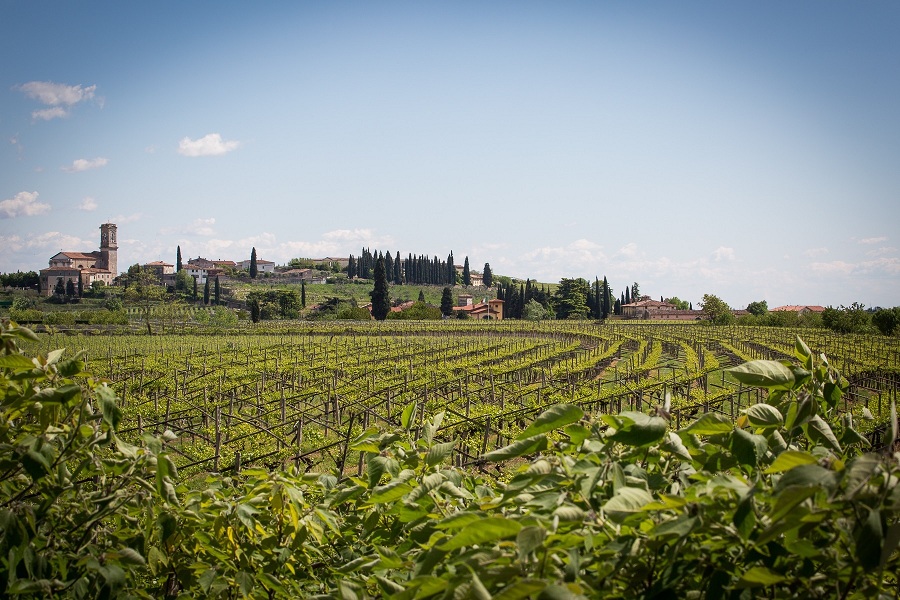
<point x="301" y="393"/>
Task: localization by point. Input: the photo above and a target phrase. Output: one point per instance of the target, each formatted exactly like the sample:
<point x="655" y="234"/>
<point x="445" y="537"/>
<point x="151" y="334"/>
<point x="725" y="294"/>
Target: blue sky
<point x="747" y="150"/>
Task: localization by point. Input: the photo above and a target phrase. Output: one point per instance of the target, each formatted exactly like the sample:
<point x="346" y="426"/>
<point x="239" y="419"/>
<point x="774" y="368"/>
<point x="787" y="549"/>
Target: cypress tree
<point x="627" y="295"/>
<point x="254" y="310"/>
<point x="605" y="303"/>
<point x="351" y="267"/>
<point x="70" y="289"/>
<point x="398" y="277"/>
<point x="303" y="294"/>
<point x="488" y="276"/>
<point x="381" y="301"/>
<point x="253" y="269"/>
<point x="446" y="302"/>
<point x="178" y="259"/>
<point x="388" y="265"/>
<point x="206" y="291"/>
<point x="467" y="275"/>
<point x="451" y="269"/>
<point x="80" y="288"/>
<point x="195" y="288"/>
<point x="217" y="292"/>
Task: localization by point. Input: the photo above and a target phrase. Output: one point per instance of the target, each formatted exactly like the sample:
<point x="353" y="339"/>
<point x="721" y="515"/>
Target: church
<point x="86" y="267"/>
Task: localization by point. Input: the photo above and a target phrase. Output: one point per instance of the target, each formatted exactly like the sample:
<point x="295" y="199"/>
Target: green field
<point x="283" y="392"/>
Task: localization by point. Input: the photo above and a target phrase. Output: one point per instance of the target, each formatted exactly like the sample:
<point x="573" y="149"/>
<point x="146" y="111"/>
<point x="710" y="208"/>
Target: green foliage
<point x="535" y="311"/>
<point x="275" y="304"/>
<point x="758" y="308"/>
<point x="887" y="320"/>
<point x="28" y="279"/>
<point x="716" y="310"/>
<point x="381" y="300"/>
<point x="253" y="265"/>
<point x="419" y="311"/>
<point x="446" y="302"/>
<point x="679" y="303"/>
<point x="848" y="319"/>
<point x="786" y="501"/>
<point x="570" y="299"/>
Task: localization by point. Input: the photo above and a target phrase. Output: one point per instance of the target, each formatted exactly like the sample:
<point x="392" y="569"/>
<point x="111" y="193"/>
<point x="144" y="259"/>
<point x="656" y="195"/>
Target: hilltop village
<point x="70" y="273"/>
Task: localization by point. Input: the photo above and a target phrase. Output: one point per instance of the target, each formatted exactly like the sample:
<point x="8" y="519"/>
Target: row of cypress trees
<point x="419" y="269"/>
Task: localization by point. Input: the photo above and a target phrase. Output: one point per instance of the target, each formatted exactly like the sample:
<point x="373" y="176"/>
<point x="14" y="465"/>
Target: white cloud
<point x="210" y="144"/>
<point x="55" y="94"/>
<point x="873" y="240"/>
<point x="834" y="267"/>
<point x="12" y="243"/>
<point x="48" y="114"/>
<point x="87" y="204"/>
<point x="723" y="253"/>
<point x="629" y="249"/>
<point x="58" y="241"/>
<point x="884" y="251"/>
<point x="120" y="219"/>
<point x="815" y="252"/>
<point x="196" y="227"/>
<point x="84" y="164"/>
<point x="58" y="96"/>
<point x="22" y="204"/>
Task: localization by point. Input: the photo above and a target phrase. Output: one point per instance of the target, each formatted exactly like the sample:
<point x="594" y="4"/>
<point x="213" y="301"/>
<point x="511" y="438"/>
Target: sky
<point x="747" y="150"/>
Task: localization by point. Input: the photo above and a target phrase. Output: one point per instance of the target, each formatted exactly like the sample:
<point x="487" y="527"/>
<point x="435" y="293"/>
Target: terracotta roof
<point x="797" y="308"/>
<point x="77" y="255"/>
<point x="158" y="263"/>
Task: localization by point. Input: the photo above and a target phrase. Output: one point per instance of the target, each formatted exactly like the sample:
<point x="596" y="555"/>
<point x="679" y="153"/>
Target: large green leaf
<point x="627" y="501"/>
<point x="518" y="448"/>
<point x="520" y="590"/>
<point x="390" y="492"/>
<point x="710" y="423"/>
<point x="869" y="537"/>
<point x="803" y="353"/>
<point x="747" y="447"/>
<point x="763" y="373"/>
<point x="487" y="530"/>
<point x="638" y="429"/>
<point x="439" y="452"/>
<point x="789" y="459"/>
<point x="15" y="361"/>
<point x="764" y="415"/>
<point x="760" y="576"/>
<point x="554" y="417"/>
<point x="820" y="431"/>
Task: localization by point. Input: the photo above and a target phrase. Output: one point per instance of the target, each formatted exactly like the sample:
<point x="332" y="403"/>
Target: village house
<point x="160" y="269"/>
<point x="647" y="308"/>
<point x="486" y="309"/>
<point x="476" y="278"/>
<point x="262" y="266"/>
<point x="83" y="267"/>
<point x="799" y="309"/>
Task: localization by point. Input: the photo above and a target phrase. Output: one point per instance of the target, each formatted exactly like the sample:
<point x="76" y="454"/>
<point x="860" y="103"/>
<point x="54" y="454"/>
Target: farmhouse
<point x="647" y="308"/>
<point x="83" y="267"/>
<point x="262" y="266"/>
<point x="490" y="309"/>
<point x="799" y="309"/>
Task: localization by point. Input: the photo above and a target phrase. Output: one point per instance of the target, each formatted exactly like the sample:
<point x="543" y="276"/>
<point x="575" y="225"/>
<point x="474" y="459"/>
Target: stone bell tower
<point x="108" y="248"/>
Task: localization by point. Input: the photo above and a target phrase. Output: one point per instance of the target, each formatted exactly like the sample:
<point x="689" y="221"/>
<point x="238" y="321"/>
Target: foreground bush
<point x="786" y="502"/>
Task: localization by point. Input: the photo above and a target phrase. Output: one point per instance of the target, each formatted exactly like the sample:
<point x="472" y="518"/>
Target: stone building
<point x="88" y="267"/>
